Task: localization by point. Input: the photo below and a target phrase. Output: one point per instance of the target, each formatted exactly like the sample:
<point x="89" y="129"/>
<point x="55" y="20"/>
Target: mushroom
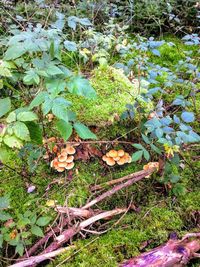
<point x="121" y="161"/>
<point x="62" y="164"/>
<point x="70" y="159"/>
<point x="113" y="153"/>
<point x="110" y="161"/>
<point x="116" y="158"/>
<point x="104" y="158"/>
<point x="69" y="166"/>
<point x="62" y="158"/>
<point x="120" y="153"/>
<point x="54" y="163"/>
<point x="60" y="169"/>
<point x="70" y="150"/>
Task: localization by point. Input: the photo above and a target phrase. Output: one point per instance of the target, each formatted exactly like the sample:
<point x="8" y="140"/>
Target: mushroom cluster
<point x="120" y="157"/>
<point x="64" y="160"/>
<point x="149" y="166"/>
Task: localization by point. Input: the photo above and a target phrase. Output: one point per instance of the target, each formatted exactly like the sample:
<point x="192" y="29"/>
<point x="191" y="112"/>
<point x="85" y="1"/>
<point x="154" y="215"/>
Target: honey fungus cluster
<point x="64" y="160"/>
<point x="119" y="157"/>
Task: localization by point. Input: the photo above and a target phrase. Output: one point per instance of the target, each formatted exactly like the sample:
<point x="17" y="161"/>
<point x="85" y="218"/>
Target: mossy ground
<point x="158" y="212"/>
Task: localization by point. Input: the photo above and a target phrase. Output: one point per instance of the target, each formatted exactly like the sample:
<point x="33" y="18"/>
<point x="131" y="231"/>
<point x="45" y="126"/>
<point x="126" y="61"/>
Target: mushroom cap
<point x="60" y="169"/>
<point x="113" y="153"/>
<point x="116" y="158"/>
<point x="54" y="163"/>
<point x="121" y="161"/>
<point x="70" y="159"/>
<point x="62" y="158"/>
<point x="110" y="161"/>
<point x="51" y="139"/>
<point x="129" y="160"/>
<point x="70" y="150"/>
<point x="69" y="166"/>
<point x="120" y="153"/>
<point x="64" y="152"/>
<point x="104" y="158"/>
<point x="107" y="155"/>
<point x="62" y="164"/>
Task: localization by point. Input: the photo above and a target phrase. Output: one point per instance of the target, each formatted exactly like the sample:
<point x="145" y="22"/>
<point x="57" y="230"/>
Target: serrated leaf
<point x="35" y="132"/>
<point x="137" y="155"/>
<point x="21" y="131"/>
<point x="14" y="52"/>
<point x="60" y="112"/>
<point x="38" y="100"/>
<point x="31" y="77"/>
<point x="64" y="128"/>
<point x="70" y="46"/>
<point x="42" y="221"/>
<point x="5" y="106"/>
<point x="53" y="70"/>
<point x="4" y="216"/>
<point x="19" y="249"/>
<point x="12" y="141"/>
<point x="55" y="86"/>
<point x="36" y="230"/>
<point x="159" y="132"/>
<point x="27" y="116"/>
<point x="80" y="86"/>
<point x="83" y="131"/>
<point x="11" y="117"/>
<point x="47" y="106"/>
<point x="4" y="202"/>
<point x="4" y="156"/>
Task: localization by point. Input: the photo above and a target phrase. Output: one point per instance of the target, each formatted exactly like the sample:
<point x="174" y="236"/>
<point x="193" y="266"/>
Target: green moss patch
<point x="114" y="91"/>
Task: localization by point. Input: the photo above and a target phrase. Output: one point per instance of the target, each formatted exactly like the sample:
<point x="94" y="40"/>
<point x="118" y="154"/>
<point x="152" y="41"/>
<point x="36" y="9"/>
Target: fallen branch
<point x="37" y="259"/>
<point x="53" y="249"/>
<point x="120" y="180"/>
<point x="132" y="178"/>
<point x="173" y="253"/>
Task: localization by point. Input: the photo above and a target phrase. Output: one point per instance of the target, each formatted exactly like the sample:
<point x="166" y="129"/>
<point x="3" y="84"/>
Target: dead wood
<point x="173" y="253"/>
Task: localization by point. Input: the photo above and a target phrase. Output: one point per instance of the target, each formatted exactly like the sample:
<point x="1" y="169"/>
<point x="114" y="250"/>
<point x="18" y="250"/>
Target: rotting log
<point x="175" y="253"/>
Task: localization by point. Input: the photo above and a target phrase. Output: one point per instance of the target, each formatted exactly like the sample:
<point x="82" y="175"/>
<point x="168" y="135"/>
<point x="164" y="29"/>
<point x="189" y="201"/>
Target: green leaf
<point x="53" y="70"/>
<point x="60" y="112"/>
<point x="12" y="141"/>
<point x="55" y="86"/>
<point x="80" y="86"/>
<point x="47" y="106"/>
<point x="156" y="149"/>
<point x="36" y="230"/>
<point x="35" y="132"/>
<point x="83" y="131"/>
<point x="19" y="249"/>
<point x="31" y="77"/>
<point x="70" y="46"/>
<point x="42" y="221"/>
<point x="146" y="139"/>
<point x="11" y="117"/>
<point x="5" y="106"/>
<point x="27" y="116"/>
<point x="146" y="154"/>
<point x="137" y="155"/>
<point x="14" y="52"/>
<point x="64" y="128"/>
<point x="39" y="99"/>
<point x="4" y="216"/>
<point x="21" y="131"/>
<point x="138" y="146"/>
<point x="4" y="155"/>
<point x="4" y="202"/>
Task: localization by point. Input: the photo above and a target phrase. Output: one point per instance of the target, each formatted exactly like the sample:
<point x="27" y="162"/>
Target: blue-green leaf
<point x="64" y="128"/>
<point x="137" y="155"/>
<point x="5" y="106"/>
<point x="187" y="116"/>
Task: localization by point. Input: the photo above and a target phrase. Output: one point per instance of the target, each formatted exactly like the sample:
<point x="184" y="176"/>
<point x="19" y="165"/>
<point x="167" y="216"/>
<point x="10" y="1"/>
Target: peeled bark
<point x="175" y="253"/>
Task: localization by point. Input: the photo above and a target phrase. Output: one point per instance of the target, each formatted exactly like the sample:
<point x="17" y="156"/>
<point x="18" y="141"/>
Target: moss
<point x="114" y="91"/>
<point x="125" y="239"/>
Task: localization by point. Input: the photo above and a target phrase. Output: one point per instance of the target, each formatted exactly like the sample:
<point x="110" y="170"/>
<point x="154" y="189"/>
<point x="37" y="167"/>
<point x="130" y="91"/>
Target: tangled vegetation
<point x="79" y="82"/>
